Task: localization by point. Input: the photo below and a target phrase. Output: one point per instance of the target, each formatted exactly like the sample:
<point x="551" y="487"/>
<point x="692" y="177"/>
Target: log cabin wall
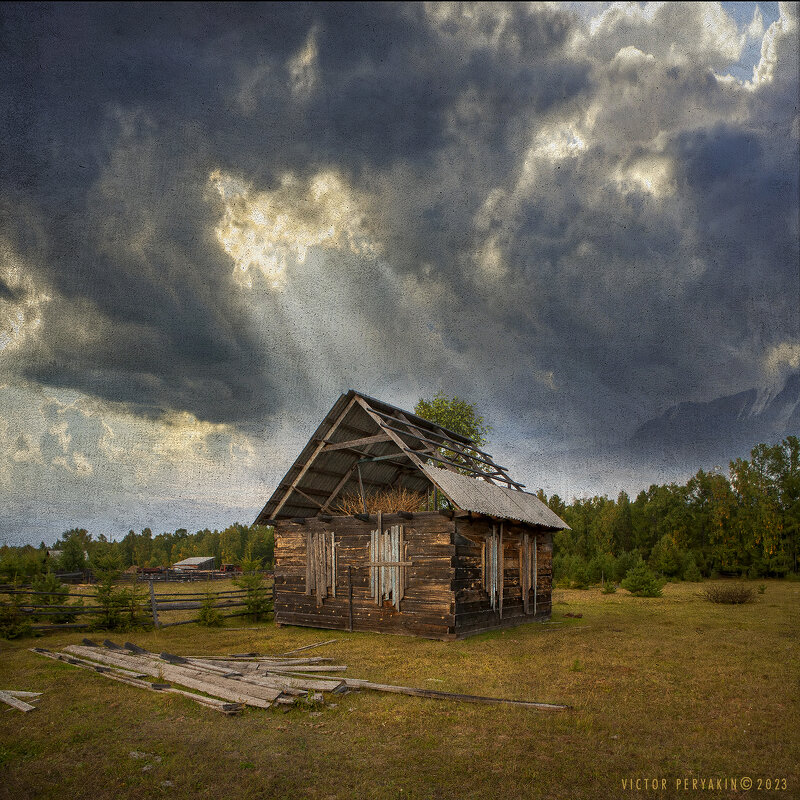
<point x="474" y="609"/>
<point x="427" y="607"/>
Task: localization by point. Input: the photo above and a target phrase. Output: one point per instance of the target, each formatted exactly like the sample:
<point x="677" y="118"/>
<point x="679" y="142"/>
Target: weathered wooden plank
<point x="433" y="694"/>
<point x="309" y="564"/>
<point x="210" y="702"/>
<point x="362" y="442"/>
<point x="15" y="702"/>
<point x="535" y="573"/>
<point x="237" y="691"/>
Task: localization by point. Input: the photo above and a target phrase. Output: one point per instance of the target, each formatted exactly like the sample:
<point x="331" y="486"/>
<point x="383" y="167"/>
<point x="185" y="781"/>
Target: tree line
<point x="78" y="550"/>
<point x="745" y="523"/>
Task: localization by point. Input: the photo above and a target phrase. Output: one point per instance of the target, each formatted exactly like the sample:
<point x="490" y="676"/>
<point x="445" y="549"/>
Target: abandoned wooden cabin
<point x="483" y="560"/>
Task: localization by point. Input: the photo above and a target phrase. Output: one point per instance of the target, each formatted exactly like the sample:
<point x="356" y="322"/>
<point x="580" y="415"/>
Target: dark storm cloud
<point x="611" y="296"/>
<point x="118" y="114"/>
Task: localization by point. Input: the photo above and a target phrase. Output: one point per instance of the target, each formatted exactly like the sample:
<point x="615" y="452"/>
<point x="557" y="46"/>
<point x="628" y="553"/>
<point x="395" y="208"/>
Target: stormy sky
<point x="215" y="219"/>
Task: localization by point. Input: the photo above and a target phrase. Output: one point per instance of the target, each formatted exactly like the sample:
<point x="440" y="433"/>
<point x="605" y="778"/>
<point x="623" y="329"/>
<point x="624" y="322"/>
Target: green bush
<point x="641" y="582"/>
<point x="13" y="623"/>
<point x="210" y="615"/>
<point x="601" y="567"/>
<point x="121" y="607"/>
<point x="624" y="563"/>
<point x="666" y="557"/>
<point x="580" y="577"/>
<point x="691" y="572"/>
<point x="21" y="565"/>
<point x="609" y="587"/>
<point x="257" y="598"/>
<point x="55" y="593"/>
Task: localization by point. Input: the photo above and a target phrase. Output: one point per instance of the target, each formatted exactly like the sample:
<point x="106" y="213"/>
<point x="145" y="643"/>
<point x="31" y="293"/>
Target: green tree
<point x="456" y="415"/>
<point x="641" y="582"/>
<point x="73" y="549"/>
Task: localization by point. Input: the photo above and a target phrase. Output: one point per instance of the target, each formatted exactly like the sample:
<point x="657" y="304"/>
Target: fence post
<point x="154" y="606"/>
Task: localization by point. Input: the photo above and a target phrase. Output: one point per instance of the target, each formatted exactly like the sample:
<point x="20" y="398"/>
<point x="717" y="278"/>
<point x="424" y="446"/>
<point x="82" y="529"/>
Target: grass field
<point x="669" y="688"/>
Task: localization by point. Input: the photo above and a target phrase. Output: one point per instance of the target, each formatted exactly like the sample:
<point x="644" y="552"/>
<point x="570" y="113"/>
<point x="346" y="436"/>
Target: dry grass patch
<point x="388" y="501"/>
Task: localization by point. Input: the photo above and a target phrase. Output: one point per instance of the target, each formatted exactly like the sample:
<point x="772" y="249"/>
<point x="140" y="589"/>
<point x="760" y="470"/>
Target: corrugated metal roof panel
<point x="472" y="494"/>
<point x="194" y="561"/>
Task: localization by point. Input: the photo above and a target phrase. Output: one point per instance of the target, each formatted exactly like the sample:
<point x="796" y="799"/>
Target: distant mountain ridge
<point x="721" y="429"/>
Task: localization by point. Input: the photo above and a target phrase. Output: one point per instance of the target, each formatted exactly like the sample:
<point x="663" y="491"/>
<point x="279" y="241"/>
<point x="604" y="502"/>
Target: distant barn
<point x="482" y="562"/>
<point x="200" y="563"/>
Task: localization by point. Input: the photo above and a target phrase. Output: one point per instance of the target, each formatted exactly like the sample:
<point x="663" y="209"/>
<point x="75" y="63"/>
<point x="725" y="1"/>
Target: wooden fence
<point x="163" y="608"/>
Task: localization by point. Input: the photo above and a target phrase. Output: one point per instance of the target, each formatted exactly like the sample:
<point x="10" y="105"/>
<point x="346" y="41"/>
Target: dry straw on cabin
<point x="388" y="501"/>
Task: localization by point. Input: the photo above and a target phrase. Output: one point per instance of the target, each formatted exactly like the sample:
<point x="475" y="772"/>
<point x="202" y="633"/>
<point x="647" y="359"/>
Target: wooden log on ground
<point x="18" y="693"/>
<point x="15" y="702"/>
<point x="308" y="647"/>
<point x="355" y="683"/>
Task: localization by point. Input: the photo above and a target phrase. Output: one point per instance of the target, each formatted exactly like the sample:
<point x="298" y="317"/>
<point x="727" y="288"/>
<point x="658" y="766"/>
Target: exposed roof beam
<point x="444" y="446"/>
<point x="374" y="415"/>
<point x="310" y="499"/>
<point x="379" y="437"/>
<point x="438" y="431"/>
<point x="317" y="450"/>
<point x="339" y="486"/>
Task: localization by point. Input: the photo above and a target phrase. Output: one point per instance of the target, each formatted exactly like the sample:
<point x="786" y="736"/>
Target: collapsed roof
<point x="365" y="445"/>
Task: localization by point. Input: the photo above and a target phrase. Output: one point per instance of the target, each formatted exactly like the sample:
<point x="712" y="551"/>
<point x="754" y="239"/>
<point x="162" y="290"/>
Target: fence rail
<point x="30" y="608"/>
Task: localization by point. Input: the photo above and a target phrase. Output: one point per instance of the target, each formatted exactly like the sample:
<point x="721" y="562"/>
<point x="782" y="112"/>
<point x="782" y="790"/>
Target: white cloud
<point x="780" y="38"/>
<point x="699" y="33"/>
<point x="264" y="232"/>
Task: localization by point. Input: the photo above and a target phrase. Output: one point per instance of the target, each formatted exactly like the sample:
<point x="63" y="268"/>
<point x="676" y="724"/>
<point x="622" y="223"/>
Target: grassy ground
<point x="667" y="688"/>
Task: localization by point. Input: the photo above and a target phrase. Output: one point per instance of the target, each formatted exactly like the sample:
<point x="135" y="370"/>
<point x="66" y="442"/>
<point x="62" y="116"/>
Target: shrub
<point x="55" y="594"/>
<point x="13" y="623"/>
<point x="601" y="568"/>
<point x="666" y="557"/>
<point x="210" y="615"/>
<point x="121" y="607"/>
<point x="691" y="572"/>
<point x="257" y="600"/>
<point x="641" y="582"/>
<point x="609" y="587"/>
<point x="762" y="587"/>
<point x="580" y="577"/>
<point x="624" y="563"/>
<point x="729" y="593"/>
<point x="21" y="565"/>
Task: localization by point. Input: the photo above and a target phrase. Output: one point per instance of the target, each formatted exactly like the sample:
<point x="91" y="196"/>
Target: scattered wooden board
<point x="251" y="680"/>
<point x="9" y="699"/>
<point x="210" y="702"/>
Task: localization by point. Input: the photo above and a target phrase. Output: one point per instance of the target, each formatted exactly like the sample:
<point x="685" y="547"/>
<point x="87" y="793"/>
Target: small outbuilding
<point x="199" y="563"/>
<point x="479" y="559"/>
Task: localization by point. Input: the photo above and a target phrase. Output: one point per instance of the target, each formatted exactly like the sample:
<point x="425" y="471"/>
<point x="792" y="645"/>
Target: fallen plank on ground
<point x="210" y="702"/>
<point x="15" y="702"/>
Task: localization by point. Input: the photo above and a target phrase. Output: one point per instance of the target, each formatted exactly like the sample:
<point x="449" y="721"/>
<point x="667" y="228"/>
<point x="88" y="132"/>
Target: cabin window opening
<point x="388" y="563"/>
<point x="321" y="565"/>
